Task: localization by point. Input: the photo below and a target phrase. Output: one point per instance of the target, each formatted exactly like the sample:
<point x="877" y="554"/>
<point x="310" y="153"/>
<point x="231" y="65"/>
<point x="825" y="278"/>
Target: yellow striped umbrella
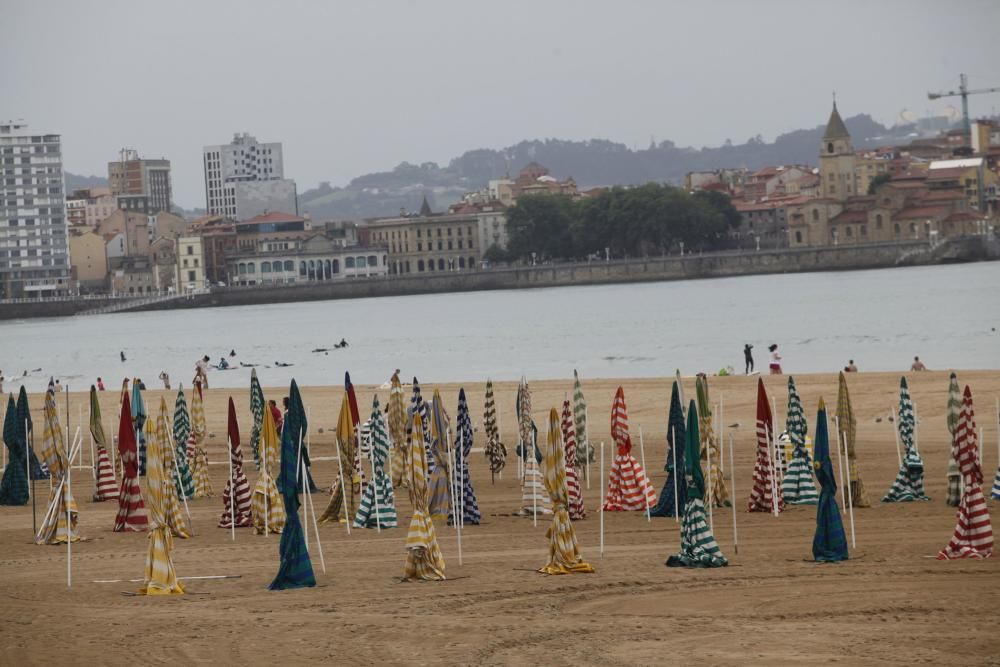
<point x="199" y="461"/>
<point x="847" y="429"/>
<point x="266" y="500"/>
<point x="171" y="501"/>
<point x="160" y="578"/>
<point x="564" y="554"/>
<point x="424" y="559"/>
<point x="343" y="503"/>
<point x="397" y="433"/>
<point x="54" y="529"/>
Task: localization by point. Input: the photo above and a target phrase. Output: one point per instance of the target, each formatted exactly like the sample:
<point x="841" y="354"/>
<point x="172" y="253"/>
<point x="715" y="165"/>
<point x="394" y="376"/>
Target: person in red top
<point x="276" y="413"/>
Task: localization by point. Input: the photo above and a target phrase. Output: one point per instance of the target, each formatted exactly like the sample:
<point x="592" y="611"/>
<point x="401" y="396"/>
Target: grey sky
<point x="353" y="87"/>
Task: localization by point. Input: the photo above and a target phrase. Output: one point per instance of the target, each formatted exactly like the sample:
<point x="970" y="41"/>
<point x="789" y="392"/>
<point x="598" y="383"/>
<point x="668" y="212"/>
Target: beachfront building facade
<point x="190" y="264"/>
<point x="245" y="178"/>
<point x="34" y="248"/>
<point x="313" y="259"/>
<point x="88" y="258"/>
<point x="429" y="244"/>
<point x="133" y="176"/>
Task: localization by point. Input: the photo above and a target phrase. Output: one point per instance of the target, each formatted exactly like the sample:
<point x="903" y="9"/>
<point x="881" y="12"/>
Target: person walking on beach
<point x="201" y="371"/>
<point x="917" y="365"/>
<point x="850" y="367"/>
<point x="122" y="353"/>
<point x="775" y="359"/>
<point x="165" y="377"/>
<point x="276" y="414"/>
<point x="100" y="384"/>
<point x="748" y="357"/>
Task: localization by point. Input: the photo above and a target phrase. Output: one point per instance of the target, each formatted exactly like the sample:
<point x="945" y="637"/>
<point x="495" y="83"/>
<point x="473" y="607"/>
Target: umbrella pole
<point x="979" y="450"/>
<point x="708" y="455"/>
<point x="67" y="495"/>
<point x="642" y="452"/>
<point x="309" y="507"/>
<point x="895" y="432"/>
<point x="774" y="469"/>
<point x="722" y="432"/>
<point x="177" y="476"/>
<point x="677" y="500"/>
<point x="602" y="500"/>
<point x="534" y="489"/>
<point x="499" y="438"/>
<point x="732" y="482"/>
<point x="850" y="500"/>
<point x="31" y="481"/>
<point x="586" y="470"/>
<point x="343" y="487"/>
<point x="846" y="486"/>
<point x="776" y="443"/>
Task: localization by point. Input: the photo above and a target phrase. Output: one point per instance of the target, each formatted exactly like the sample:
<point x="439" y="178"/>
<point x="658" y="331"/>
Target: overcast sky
<point x="354" y="87"/>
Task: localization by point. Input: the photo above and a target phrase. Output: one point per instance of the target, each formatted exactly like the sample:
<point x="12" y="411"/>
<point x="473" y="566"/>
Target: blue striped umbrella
<point x="829" y="541"/>
<point x="138" y="424"/>
<point x="675" y="480"/>
<point x="14" y="487"/>
<point x="909" y="482"/>
<point x="463" y="447"/>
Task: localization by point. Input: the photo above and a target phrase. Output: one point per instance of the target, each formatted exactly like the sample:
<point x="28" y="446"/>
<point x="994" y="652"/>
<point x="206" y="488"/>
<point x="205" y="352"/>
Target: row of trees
<point x="648" y="220"/>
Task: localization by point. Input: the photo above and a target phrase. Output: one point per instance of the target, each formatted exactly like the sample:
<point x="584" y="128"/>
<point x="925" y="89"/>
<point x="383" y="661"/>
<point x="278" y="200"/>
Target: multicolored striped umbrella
<point x="343" y="503"/>
<point x="765" y="485"/>
<point x="171" y="506"/>
<point x="698" y="545"/>
<point x="138" y="423"/>
<point x="909" y="483"/>
<point x="954" y="410"/>
<point x="197" y="454"/>
<point x="131" y="510"/>
<point x="674" y="487"/>
<point x="629" y="490"/>
<point x="397" y="433"/>
<point x="25" y="428"/>
<point x="266" y="505"/>
<point x="584" y="449"/>
<point x="257" y="405"/>
<point x="576" y="509"/>
<point x="105" y="487"/>
<point x="438" y="463"/>
<point x="14" y="487"/>
<point x="182" y="431"/>
<point x="236" y="496"/>
<point x="160" y="577"/>
<point x="462" y="449"/>
<point x="495" y="451"/>
<point x="296" y="422"/>
<point x="829" y="541"/>
<point x="378" y="505"/>
<point x="54" y="528"/>
<point x="295" y="568"/>
<point x="847" y="428"/>
<point x="797" y="486"/>
<point x="564" y="553"/>
<point x="711" y="454"/>
<point x="424" y="559"/>
<point x="533" y="496"/>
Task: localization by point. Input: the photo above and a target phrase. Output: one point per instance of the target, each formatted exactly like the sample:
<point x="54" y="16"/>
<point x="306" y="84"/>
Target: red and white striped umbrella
<point x="629" y="490"/>
<point x="237" y="509"/>
<point x="766" y="490"/>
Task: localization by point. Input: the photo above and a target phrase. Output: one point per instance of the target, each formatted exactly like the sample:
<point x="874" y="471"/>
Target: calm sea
<point x="948" y="315"/>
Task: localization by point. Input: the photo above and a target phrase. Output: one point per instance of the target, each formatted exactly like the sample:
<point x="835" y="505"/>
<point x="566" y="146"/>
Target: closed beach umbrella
<point x="438" y="464"/>
<point x="584" y="450"/>
<point x="14" y="487"/>
<point x="54" y="528"/>
<point x="424" y="559"/>
<point x="157" y="429"/>
<point x="236" y="496"/>
<point x="131" y="510"/>
<point x="710" y="452"/>
<point x="698" y="545"/>
<point x="533" y="495"/>
<point x="797" y="486"/>
<point x="397" y="433"/>
<point x="564" y="553"/>
<point x="494" y="450"/>
<point x="25" y="428"/>
<point x="909" y="483"/>
<point x="257" y="411"/>
<point x="954" y="476"/>
<point x="576" y="509"/>
<point x="462" y="449"/>
<point x="847" y="427"/>
<point x="138" y="424"/>
<point x="377" y="508"/>
<point x="198" y="455"/>
<point x="160" y="577"/>
<point x="295" y="568"/>
<point x="352" y="399"/>
<point x="182" y="432"/>
<point x="266" y="505"/>
<point x="765" y="487"/>
<point x="105" y="487"/>
<point x="343" y="504"/>
<point x="296" y="422"/>
<point x="674" y="487"/>
<point x="629" y="490"/>
<point x="973" y="536"/>
<point x="829" y="541"/>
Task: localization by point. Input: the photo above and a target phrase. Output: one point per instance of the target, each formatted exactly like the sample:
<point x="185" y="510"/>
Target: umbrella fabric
<point x="26" y="434"/>
<point x="236" y="496"/>
<point x="495" y="451"/>
<point x="584" y="448"/>
<point x="138" y="423"/>
<point x="954" y="476"/>
<point x="629" y="490"/>
<point x="257" y="410"/>
<point x="564" y="553"/>
<point x="909" y="483"/>
<point x="424" y="559"/>
<point x="295" y="568"/>
<point x="698" y="545"/>
<point x="196" y="446"/>
<point x="182" y="431"/>
<point x="533" y="495"/>
<point x="847" y="428"/>
<point x="576" y="510"/>
<point x="296" y="422"/>
<point x="377" y="508"/>
<point x="14" y="487"/>
<point x="462" y="448"/>
<point x="170" y="500"/>
<point x="438" y="463"/>
<point x="397" y="433"/>
<point x="797" y="486"/>
<point x="54" y="528"/>
<point x="765" y="486"/>
<point x="131" y="509"/>
<point x="347" y="478"/>
<point x="266" y="505"/>
<point x="829" y="541"/>
<point x="676" y="437"/>
<point x="711" y="453"/>
<point x="160" y="577"/>
<point x="973" y="537"/>
<point x="105" y="487"/>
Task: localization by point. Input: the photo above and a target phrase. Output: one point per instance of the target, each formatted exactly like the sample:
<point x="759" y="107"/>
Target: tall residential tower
<point x="245" y="178"/>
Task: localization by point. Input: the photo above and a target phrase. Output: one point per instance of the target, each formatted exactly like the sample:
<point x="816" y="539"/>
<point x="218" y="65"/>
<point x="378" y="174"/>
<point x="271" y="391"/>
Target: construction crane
<point x="963" y="92"/>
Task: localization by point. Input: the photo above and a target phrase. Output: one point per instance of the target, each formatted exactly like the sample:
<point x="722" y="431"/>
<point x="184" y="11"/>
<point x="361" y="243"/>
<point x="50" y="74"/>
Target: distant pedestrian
<point x="850" y="367"/>
<point x="100" y="384"/>
<point x="917" y="365"/>
<point x="165" y="377"/>
<point x="748" y="357"/>
<point x="775" y="359"/>
<point x="122" y="354"/>
<point x="276" y="414"/>
<point x="201" y="371"/>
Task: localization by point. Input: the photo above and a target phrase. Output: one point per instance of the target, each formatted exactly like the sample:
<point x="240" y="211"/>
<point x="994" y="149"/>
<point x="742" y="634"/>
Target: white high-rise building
<point x="34" y="249"/>
<point x="242" y="161"/>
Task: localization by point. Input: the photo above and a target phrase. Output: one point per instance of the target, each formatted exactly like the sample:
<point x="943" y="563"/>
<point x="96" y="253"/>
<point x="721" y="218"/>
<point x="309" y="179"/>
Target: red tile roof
<point x="272" y="217"/>
<point x="921" y="213"/>
<point x="849" y="216"/>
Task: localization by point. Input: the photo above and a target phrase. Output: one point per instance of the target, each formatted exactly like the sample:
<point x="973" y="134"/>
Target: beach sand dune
<point x="891" y="604"/>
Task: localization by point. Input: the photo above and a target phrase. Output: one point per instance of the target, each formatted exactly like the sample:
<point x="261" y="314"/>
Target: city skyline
<point x="352" y="89"/>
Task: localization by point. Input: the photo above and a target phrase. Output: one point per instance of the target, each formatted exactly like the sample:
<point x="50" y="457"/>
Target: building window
<point x="276" y="266"/>
<point x="190" y="250"/>
<point x="420" y="246"/>
<point x="815" y="214"/>
<point x="420" y="265"/>
<point x="191" y="276"/>
<point x="864" y="230"/>
<point x="472" y="262"/>
<point x="850" y="231"/>
<point x="385" y="260"/>
<point x="289" y="265"/>
<point x="449" y="243"/>
<point x="348" y="262"/>
<point x="461" y="262"/>
<point x="302" y="269"/>
<point x="251" y="267"/>
<point x="440" y="247"/>
<point x="798" y="237"/>
<point x="449" y="231"/>
<point x="372" y="260"/>
<point x="440" y="265"/>
<point x="359" y="262"/>
<point x="265" y="267"/>
<point x="335" y="266"/>
<point x="878" y="221"/>
<point x="896" y="228"/>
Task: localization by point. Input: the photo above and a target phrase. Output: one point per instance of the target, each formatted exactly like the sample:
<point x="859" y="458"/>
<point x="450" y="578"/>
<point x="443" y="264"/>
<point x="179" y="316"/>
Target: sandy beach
<point x="892" y="603"/>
